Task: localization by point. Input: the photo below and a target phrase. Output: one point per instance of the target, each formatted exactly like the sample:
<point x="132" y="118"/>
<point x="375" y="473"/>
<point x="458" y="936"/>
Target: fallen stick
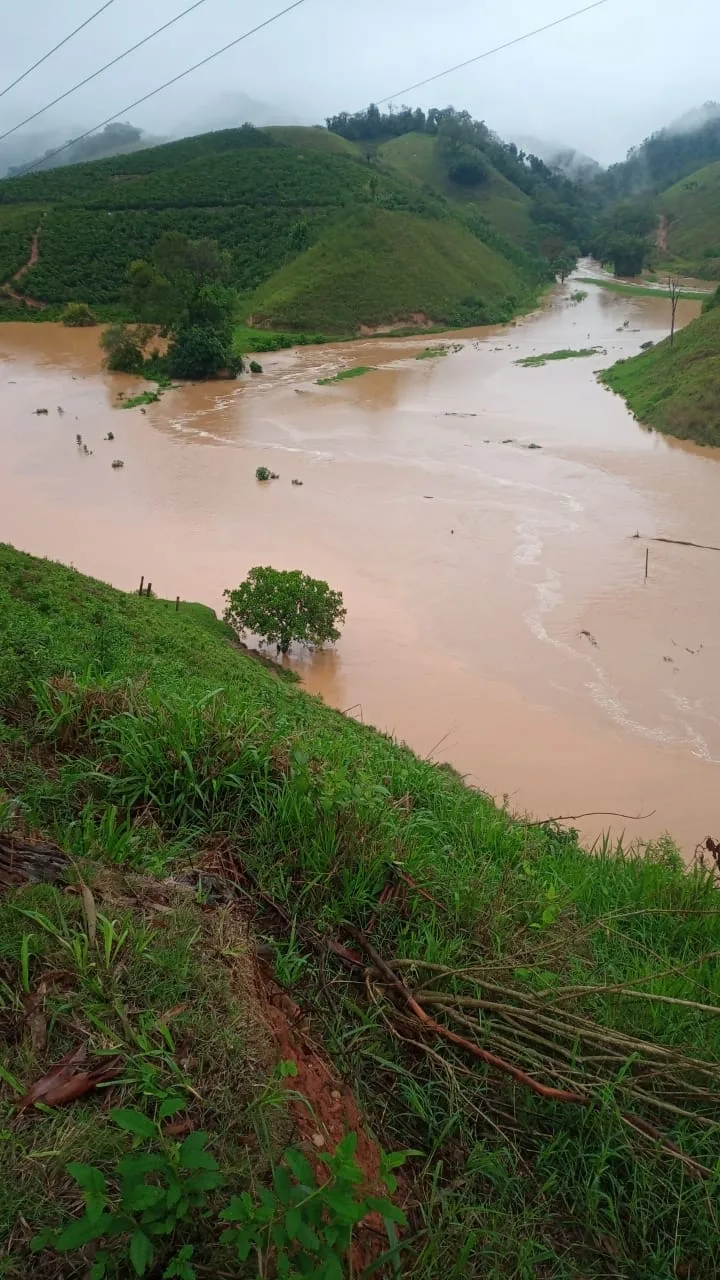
<point x="678" y="542"/>
<point x="491" y="1059"/>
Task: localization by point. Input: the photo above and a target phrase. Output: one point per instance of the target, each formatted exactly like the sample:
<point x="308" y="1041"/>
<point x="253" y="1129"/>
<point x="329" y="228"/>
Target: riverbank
<point x="487" y="565"/>
<point x="143" y="739"/>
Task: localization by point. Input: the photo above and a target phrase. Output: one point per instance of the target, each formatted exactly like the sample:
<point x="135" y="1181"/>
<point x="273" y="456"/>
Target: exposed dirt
<point x="418" y="320"/>
<point x="21" y="297"/>
<point x="334" y="1113"/>
<point x="661" y="237"/>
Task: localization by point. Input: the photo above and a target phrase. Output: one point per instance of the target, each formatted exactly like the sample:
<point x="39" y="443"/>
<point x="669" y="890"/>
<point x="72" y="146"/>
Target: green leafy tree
<point x="562" y="266"/>
<point x="626" y="252"/>
<point x="468" y="167"/>
<point x="77" y="315"/>
<point x="200" y="351"/>
<point x="282" y="606"/>
<point x="125" y="346"/>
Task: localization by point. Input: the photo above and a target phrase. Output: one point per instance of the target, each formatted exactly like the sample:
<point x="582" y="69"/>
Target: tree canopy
<point x="285" y="606"/>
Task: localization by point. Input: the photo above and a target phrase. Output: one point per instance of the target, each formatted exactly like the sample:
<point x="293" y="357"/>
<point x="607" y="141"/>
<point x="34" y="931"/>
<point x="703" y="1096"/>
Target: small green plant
<point x="152" y="1194"/>
<point x="432" y="353"/>
<point x="282" y="605"/>
<point x="345" y="374"/>
<point x="536" y="362"/>
<point x="263" y="473"/>
<point x="304" y="1224"/>
<point x="144" y="397"/>
<point x="255" y="366"/>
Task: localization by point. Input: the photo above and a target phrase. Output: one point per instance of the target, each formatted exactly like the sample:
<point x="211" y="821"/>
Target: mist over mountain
<point x="230" y="110"/>
<point x="565" y="159"/>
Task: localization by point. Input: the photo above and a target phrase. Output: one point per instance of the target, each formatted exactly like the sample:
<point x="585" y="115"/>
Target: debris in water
<point x="78" y="441"/>
<point x="60" y="410"/>
<point x="39" y="411"/>
<point x="589" y="636"/>
<point x="117" y="462"/>
<point x="532" y="445"/>
<point x="109" y="436"/>
<point x="296" y="481"/>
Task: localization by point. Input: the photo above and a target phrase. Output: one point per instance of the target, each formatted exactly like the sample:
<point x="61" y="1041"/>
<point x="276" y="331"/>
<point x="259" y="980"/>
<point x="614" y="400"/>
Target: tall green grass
<point x="676" y="389"/>
<point x="145" y="738"/>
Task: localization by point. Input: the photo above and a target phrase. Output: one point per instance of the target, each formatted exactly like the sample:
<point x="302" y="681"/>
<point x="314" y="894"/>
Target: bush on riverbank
<point x="144" y="739"/>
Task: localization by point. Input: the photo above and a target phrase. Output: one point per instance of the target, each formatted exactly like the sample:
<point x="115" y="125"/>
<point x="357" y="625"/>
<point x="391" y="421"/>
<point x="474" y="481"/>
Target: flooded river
<point x="498" y="615"/>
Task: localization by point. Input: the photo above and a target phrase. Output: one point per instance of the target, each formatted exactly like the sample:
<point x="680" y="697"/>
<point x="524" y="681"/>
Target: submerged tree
<point x="284" y="605"/>
<point x="184" y="289"/>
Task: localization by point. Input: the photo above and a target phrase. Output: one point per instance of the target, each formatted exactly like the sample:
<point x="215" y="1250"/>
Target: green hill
<point x="268" y="197"/>
<point x="676" y="389"/>
<point x="386" y="267"/>
<point x="562" y="1108"/>
<point x="506" y="207"/>
<point x="692" y="208"/>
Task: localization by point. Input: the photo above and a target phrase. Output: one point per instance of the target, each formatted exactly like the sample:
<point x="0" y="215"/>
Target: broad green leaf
<point x="343" y="1204"/>
<point x="300" y="1166"/>
<point x="293" y="1219"/>
<point x="206" y="1180"/>
<point x="347" y="1147"/>
<point x="282" y="1184"/>
<point x="134" y="1167"/>
<point x="171" y="1106"/>
<point x="82" y="1232"/>
<point x="98" y="1271"/>
<point x="239" y="1209"/>
<point x="141" y="1252"/>
<point x="193" y="1154"/>
<point x="307" y="1237"/>
<point x="87" y="1177"/>
<point x="133" y="1122"/>
<point x="141" y="1196"/>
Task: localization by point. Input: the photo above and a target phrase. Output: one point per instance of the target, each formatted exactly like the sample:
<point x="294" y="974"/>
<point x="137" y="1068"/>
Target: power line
<point x="489" y="52"/>
<point x="45" y="56"/>
<point x="181" y="76"/>
<point x="81" y="83"/>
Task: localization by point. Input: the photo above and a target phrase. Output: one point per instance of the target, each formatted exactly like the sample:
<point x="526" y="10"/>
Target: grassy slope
<point x="311" y="138"/>
<point x="676" y="389"/>
<point x="166" y="741"/>
<point x="379" y="266"/>
<point x="503" y="204"/>
<point x="249" y="189"/>
<point x="693" y="209"/>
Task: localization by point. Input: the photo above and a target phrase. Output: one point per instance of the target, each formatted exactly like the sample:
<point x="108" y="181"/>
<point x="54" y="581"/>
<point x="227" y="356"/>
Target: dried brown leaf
<point x="56" y="1076"/>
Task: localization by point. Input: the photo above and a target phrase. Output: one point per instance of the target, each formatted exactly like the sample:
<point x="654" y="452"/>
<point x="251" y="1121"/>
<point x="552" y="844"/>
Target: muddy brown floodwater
<point x="498" y="616"/>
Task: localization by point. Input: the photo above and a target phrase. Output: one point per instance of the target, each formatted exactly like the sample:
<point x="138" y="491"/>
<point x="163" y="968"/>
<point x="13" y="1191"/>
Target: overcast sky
<point x="600" y="83"/>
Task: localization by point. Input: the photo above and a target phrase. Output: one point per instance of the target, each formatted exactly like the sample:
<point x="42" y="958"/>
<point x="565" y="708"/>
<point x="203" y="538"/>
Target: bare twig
<point x="491" y="1059"/>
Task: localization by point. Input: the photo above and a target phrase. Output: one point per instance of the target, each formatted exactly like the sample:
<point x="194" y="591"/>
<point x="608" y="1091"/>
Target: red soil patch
<point x="335" y="1112"/>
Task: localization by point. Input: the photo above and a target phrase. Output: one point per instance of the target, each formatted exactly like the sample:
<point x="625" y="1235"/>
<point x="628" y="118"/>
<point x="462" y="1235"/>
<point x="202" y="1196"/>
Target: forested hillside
<point x="692" y="211"/>
<point x="267" y="197"/>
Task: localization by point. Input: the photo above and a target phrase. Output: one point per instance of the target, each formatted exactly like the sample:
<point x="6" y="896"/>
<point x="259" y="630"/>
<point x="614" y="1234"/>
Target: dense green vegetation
<point x="379" y="264"/>
<point x="464" y="159"/>
<point x="143" y="739"/>
<point x="17" y="228"/>
<point x="692" y="209"/>
<point x="676" y="389"/>
<point x="665" y="157"/>
<point x="268" y="197"/>
<point x="505" y="206"/>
